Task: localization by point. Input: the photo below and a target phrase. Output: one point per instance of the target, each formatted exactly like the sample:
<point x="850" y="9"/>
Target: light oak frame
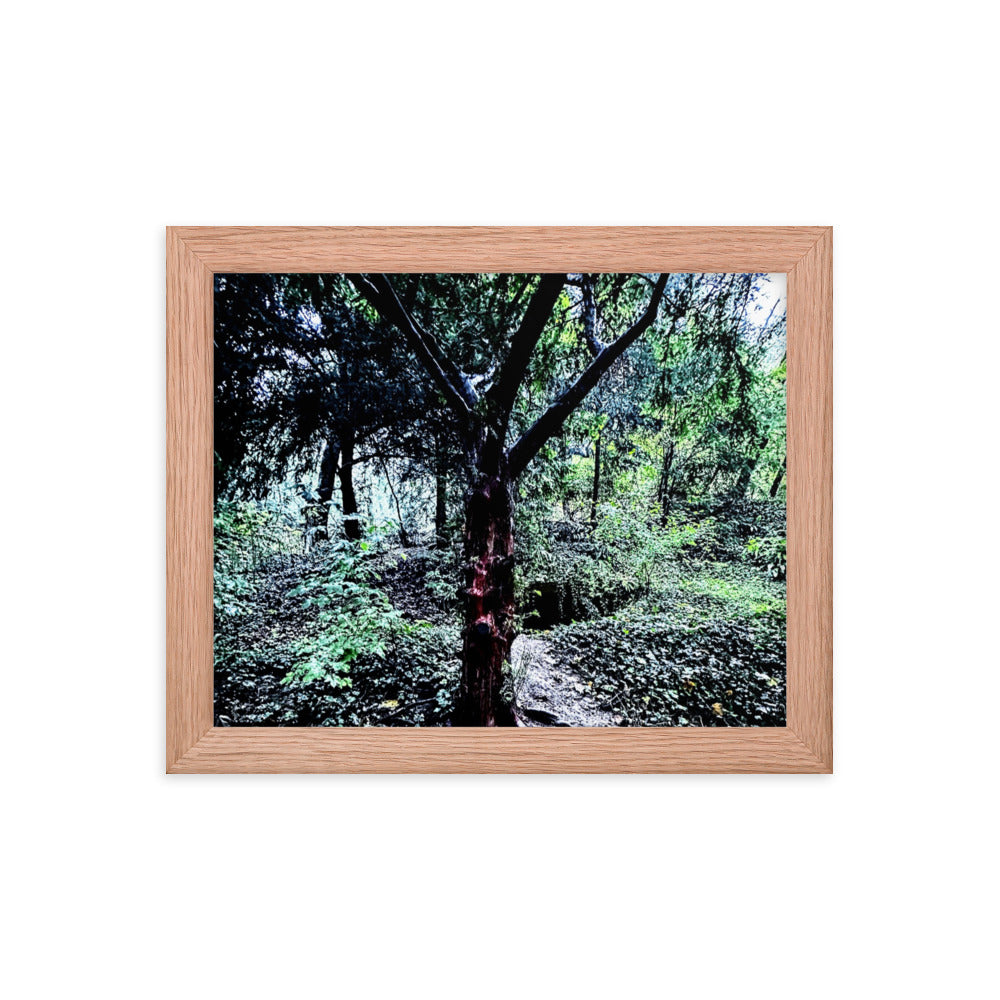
<point x="195" y="254"/>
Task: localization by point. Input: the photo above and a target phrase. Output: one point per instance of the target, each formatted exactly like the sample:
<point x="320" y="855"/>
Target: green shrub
<point x="770" y="555"/>
<point x="356" y="618"/>
<point x="247" y="536"/>
<point x="635" y="545"/>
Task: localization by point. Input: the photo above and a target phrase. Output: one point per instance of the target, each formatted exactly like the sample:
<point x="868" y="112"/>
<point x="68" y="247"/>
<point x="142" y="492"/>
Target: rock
<point x="540" y="715"/>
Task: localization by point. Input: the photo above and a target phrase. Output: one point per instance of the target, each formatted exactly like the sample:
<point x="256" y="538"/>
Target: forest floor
<point x="706" y="649"/>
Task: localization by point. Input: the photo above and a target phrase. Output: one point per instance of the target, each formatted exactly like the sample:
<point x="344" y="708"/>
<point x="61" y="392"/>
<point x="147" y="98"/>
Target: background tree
<point x="305" y="379"/>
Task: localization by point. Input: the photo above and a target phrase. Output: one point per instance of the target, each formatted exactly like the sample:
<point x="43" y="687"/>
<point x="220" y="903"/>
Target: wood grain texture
<point x="810" y="499"/>
<point x="190" y="405"/>
<point x="194" y="254"/>
<point x="497" y="249"/>
<point x="505" y="751"/>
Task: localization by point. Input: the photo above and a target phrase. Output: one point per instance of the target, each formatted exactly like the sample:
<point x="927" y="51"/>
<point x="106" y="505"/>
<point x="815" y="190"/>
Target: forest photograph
<point x="499" y="499"/>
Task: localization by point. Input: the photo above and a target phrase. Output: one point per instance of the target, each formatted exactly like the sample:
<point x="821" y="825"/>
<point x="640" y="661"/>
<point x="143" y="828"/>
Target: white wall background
<point x="878" y="118"/>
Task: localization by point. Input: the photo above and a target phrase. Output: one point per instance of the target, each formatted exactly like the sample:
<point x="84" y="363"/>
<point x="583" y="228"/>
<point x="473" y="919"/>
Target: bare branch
<point x="453" y="384"/>
<point x="525" y="339"/>
<point x="552" y="419"/>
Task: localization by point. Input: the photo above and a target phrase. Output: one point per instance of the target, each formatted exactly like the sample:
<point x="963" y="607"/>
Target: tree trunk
<point x="746" y="473"/>
<point x="488" y="593"/>
<point x="777" y="479"/>
<point x="596" y="492"/>
<point x="666" y="485"/>
<point x="404" y="538"/>
<point x="318" y="514"/>
<point x="349" y="501"/>
<point x="328" y="469"/>
<point x="743" y="480"/>
<point x="440" y="497"/>
<point x="564" y="475"/>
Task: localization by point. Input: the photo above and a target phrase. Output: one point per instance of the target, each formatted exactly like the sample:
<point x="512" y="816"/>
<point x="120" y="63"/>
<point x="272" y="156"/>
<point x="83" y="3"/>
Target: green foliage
<point x="645" y="523"/>
<point x="246" y="536"/>
<point x="708" y="649"/>
<point x="414" y="684"/>
<point x="652" y="673"/>
<point x="635" y="546"/>
<point x="354" y="619"/>
<point x="770" y="554"/>
<point x="440" y="580"/>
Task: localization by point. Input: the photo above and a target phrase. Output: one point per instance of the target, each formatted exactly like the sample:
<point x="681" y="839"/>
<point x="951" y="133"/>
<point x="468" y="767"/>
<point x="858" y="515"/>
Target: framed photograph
<point x="499" y="499"/>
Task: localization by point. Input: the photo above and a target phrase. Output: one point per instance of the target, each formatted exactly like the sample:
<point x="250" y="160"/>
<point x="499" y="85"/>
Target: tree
<point x="718" y="393"/>
<point x="482" y="409"/>
<point x="304" y="377"/>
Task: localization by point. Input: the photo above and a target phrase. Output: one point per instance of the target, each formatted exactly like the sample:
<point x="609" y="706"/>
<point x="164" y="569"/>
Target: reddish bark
<point x="489" y="598"/>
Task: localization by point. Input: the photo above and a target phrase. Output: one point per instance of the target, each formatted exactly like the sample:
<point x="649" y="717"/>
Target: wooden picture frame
<point x="195" y="254"/>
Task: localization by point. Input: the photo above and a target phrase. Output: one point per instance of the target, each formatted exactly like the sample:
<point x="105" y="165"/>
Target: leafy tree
<point x="482" y="405"/>
<point x="304" y="376"/>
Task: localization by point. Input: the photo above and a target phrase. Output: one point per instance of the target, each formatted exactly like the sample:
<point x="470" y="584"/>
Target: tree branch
<point x="453" y="384"/>
<point x="552" y="419"/>
<point x="525" y="339"/>
<point x="594" y="344"/>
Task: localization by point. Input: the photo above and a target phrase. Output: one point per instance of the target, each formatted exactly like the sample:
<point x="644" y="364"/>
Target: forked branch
<point x="552" y="419"/>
